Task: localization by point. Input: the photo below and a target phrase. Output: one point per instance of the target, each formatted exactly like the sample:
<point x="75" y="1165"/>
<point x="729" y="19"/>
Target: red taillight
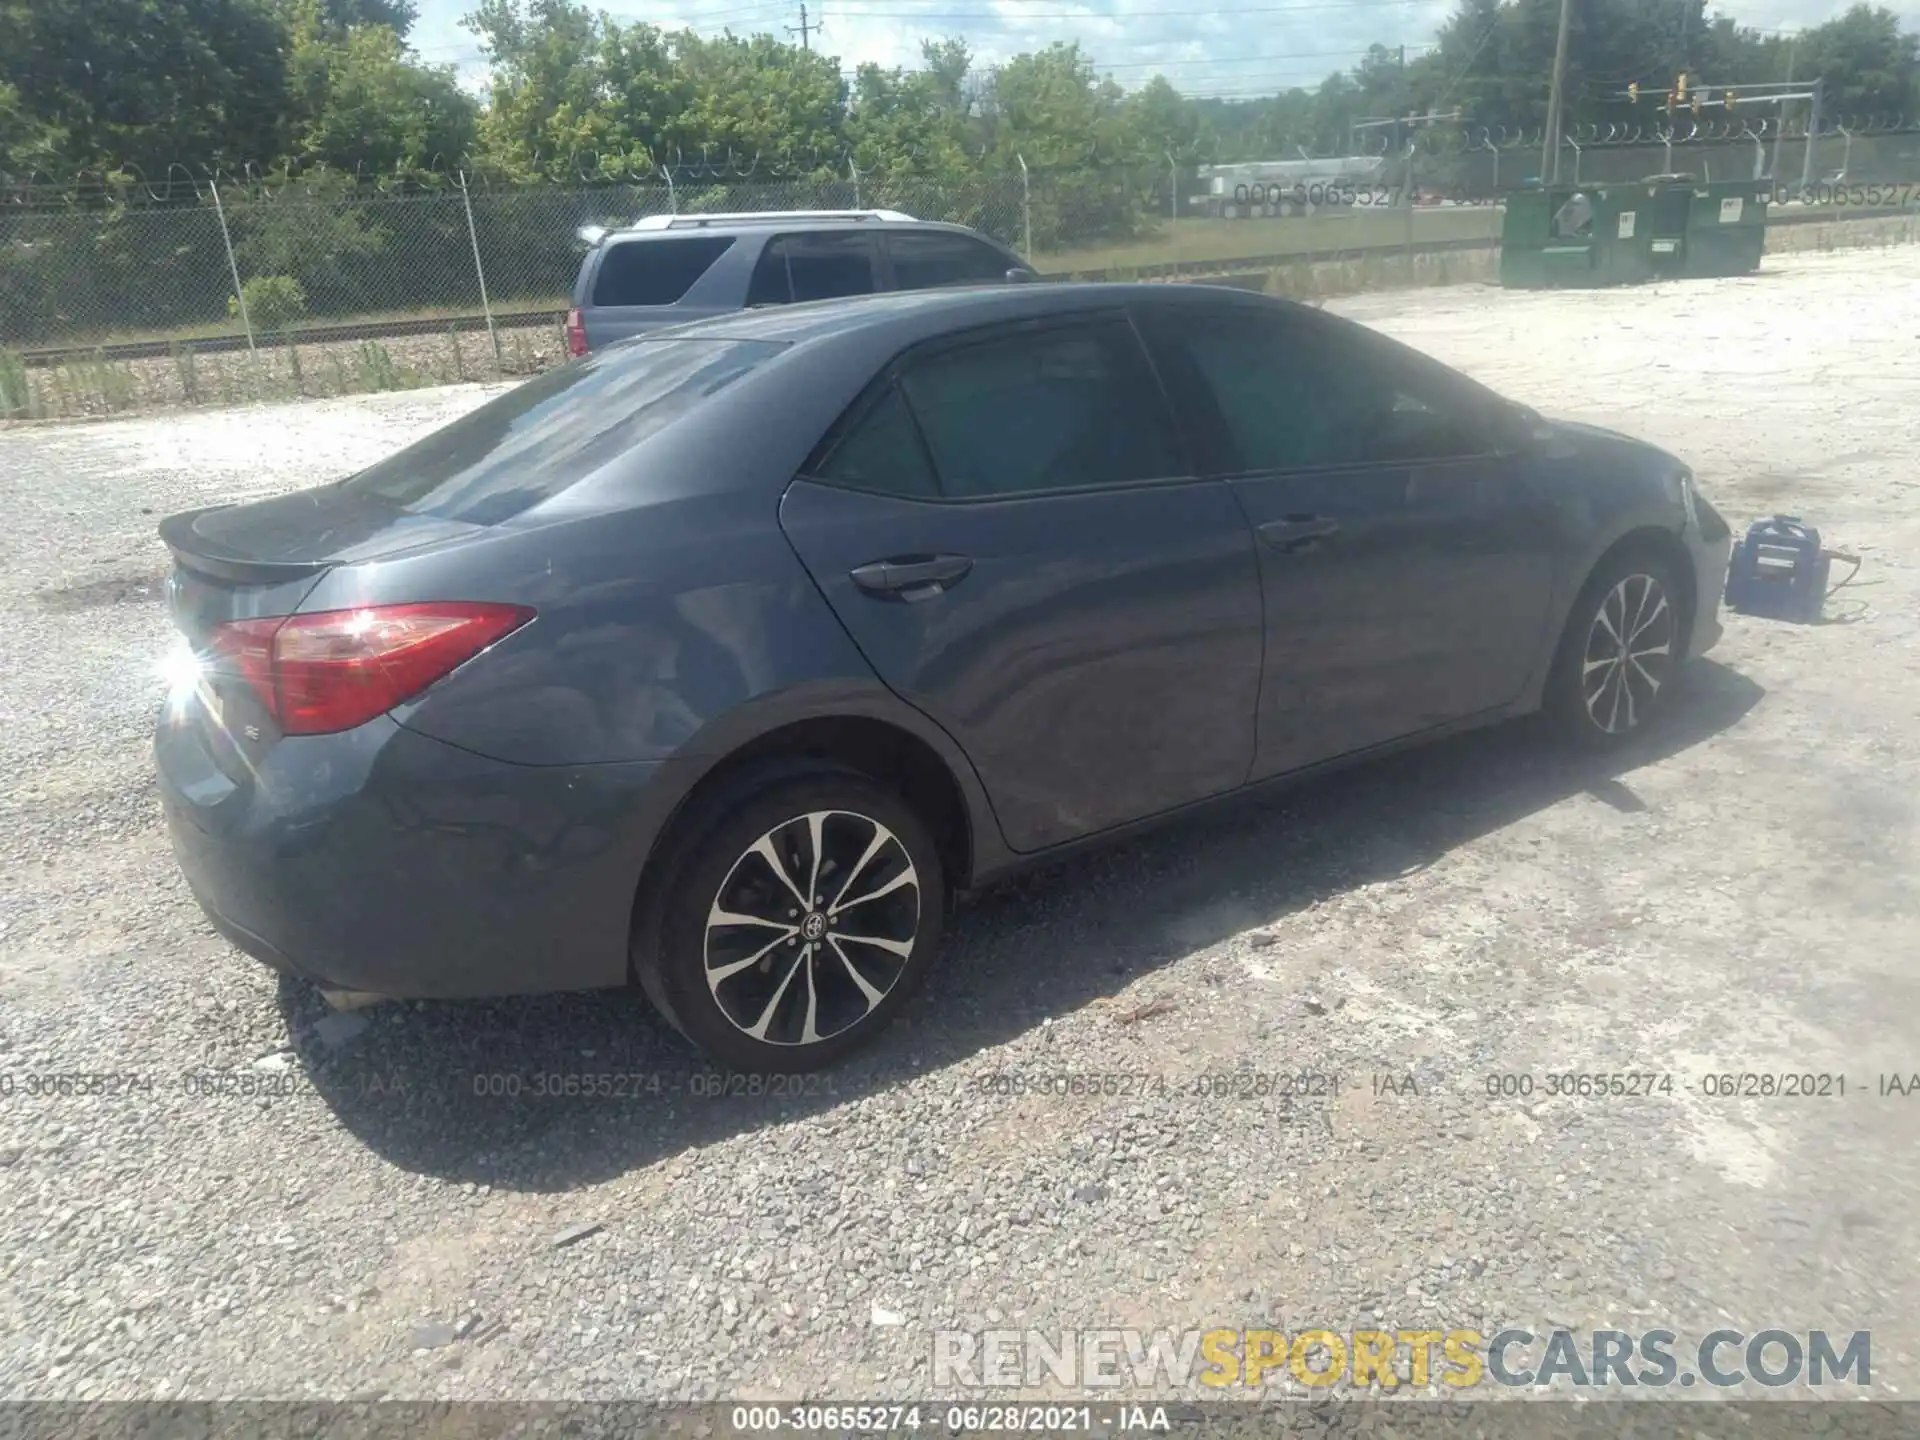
<point x="339" y="668"/>
<point x="576" y="334"/>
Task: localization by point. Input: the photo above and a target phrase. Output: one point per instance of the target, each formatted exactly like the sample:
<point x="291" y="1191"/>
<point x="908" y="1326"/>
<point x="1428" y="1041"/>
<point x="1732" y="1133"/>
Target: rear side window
<point x="528" y="445"/>
<point x="655" y="271"/>
<point x="930" y="258"/>
<point x="1059" y="409"/>
<point x="812" y="267"/>
<point x="882" y="453"/>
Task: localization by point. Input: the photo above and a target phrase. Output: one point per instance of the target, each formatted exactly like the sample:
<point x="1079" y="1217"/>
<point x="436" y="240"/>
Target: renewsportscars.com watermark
<point x="1222" y="1361"/>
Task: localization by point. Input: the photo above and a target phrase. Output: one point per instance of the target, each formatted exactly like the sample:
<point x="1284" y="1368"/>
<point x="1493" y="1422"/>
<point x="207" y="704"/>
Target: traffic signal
<point x="1633" y="91"/>
<point x="1728" y="98"/>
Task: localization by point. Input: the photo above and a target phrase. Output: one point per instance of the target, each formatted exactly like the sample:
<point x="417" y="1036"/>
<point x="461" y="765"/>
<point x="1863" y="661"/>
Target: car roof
<point x="909" y="315"/>
<point x="780" y="225"/>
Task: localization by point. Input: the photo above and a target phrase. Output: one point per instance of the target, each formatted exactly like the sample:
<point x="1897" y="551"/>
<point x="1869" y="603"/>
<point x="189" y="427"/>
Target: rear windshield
<point x="655" y="271"/>
<point x="529" y="444"/>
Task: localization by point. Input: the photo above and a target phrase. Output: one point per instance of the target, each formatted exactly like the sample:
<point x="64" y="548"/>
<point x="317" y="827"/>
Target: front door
<point x="1405" y="566"/>
<point x="1011" y="533"/>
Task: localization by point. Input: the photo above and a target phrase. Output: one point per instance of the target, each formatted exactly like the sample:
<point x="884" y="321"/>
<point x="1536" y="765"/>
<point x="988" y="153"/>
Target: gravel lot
<point x="1739" y="897"/>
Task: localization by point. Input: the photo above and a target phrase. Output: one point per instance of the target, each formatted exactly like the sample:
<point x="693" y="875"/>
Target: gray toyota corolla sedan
<point x="721" y="660"/>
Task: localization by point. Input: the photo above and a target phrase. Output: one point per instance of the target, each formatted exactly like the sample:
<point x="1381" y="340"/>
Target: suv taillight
<point x="317" y="674"/>
<point x="576" y="334"/>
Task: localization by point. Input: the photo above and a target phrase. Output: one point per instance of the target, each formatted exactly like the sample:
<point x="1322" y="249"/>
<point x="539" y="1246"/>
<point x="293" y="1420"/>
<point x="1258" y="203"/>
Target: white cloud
<point x="1244" y="47"/>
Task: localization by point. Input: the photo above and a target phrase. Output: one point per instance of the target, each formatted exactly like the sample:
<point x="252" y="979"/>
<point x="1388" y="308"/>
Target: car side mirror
<point x="1020" y="275"/>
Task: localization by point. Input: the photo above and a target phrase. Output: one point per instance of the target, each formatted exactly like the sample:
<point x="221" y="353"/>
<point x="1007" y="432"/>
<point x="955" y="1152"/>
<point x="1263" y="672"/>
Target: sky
<point x="1237" y="48"/>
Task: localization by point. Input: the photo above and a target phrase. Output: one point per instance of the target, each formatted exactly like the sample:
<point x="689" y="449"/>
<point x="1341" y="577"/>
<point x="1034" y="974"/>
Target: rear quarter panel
<point x="674" y="635"/>
<point x="674" y="621"/>
<point x="651" y="623"/>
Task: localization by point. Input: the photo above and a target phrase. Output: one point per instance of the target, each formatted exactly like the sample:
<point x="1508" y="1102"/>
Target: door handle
<point x="912" y="579"/>
<point x="1298" y="532"/>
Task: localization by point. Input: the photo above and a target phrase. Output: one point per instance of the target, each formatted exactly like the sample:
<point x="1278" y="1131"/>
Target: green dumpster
<point x="1665" y="202"/>
<point x="1726" y="228"/>
<point x="1573" y="235"/>
<point x="1663" y="227"/>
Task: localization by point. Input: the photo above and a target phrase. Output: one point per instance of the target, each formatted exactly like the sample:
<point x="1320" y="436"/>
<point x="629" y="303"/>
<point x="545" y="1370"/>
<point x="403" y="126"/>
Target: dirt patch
<point x="133" y="587"/>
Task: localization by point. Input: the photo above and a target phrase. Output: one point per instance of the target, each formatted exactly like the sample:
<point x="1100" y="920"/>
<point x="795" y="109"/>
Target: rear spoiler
<point x="192" y="552"/>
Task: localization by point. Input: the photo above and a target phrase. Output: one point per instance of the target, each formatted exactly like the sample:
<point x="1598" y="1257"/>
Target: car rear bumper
<point x="384" y="861"/>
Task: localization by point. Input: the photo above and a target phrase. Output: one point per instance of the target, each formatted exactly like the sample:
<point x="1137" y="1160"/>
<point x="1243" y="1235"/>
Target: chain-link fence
<point x="264" y="261"/>
<point x="322" y="287"/>
<point x="1484" y="167"/>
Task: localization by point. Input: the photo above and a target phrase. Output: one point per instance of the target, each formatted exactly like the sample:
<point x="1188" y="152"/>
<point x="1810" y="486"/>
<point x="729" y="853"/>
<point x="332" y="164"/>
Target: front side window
<point x="1058" y="409"/>
<point x="812" y="267"/>
<point x="1422" y="427"/>
<point x="927" y="259"/>
<point x="1292" y="396"/>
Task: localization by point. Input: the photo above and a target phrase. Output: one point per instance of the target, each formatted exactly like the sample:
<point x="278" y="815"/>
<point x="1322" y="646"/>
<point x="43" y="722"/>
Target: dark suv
<point x="669" y="269"/>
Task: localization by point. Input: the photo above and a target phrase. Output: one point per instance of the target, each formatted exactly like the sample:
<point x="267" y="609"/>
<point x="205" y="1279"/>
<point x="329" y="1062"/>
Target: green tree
<point x="906" y="125"/>
<point x="1050" y="110"/>
<point x="365" y="104"/>
<point x="1868" y="64"/>
<point x="147" y="83"/>
<point x="1167" y="123"/>
<point x="761" y="100"/>
<point x="546" y="82"/>
<point x="26" y="145"/>
<point x="948" y="65"/>
<point x="397" y="15"/>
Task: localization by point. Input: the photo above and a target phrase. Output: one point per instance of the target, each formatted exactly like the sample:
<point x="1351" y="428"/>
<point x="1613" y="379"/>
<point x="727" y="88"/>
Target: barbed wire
<point x="1689" y="132"/>
<point x="180" y="184"/>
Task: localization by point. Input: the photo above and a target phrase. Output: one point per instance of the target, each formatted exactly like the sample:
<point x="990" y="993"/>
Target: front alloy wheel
<point x="1629" y="654"/>
<point x="802" y="918"/>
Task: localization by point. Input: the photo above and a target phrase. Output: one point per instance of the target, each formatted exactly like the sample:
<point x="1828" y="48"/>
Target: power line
<point x="1245" y="59"/>
<point x="709" y="18"/>
<point x="1172" y="12"/>
<point x="802" y="29"/>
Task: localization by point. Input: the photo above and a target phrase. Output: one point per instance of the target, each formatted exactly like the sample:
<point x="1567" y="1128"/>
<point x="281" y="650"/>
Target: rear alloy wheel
<point x="1621" y="654"/>
<point x="800" y="925"/>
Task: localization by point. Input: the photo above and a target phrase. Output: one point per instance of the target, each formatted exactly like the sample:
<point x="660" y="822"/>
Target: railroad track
<point x="305" y="335"/>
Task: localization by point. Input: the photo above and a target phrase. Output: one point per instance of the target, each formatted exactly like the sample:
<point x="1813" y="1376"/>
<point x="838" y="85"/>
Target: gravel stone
<point x="1737" y="897"/>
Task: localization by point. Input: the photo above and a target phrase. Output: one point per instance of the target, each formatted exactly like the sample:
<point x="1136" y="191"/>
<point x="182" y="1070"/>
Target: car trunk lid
<point x="230" y="559"/>
<point x="253" y="561"/>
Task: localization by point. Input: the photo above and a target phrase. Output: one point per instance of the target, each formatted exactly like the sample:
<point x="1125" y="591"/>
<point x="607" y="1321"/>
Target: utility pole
<point x="1780" y="121"/>
<point x="1550" y="150"/>
<point x="803" y="28"/>
<point x="1813" y="131"/>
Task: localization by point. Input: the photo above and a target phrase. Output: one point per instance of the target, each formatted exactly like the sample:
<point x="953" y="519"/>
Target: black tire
<point x="1595" y="697"/>
<point x="820" y="992"/>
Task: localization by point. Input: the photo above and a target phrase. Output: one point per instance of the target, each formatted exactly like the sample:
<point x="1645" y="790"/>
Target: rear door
<point x="648" y="281"/>
<point x="1012" y="533"/>
<point x="1406" y="567"/>
<point x="814" y="265"/>
<point x="930" y="259"/>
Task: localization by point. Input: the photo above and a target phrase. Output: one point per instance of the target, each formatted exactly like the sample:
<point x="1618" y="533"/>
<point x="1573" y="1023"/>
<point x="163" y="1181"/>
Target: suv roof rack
<point x="753" y="217"/>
